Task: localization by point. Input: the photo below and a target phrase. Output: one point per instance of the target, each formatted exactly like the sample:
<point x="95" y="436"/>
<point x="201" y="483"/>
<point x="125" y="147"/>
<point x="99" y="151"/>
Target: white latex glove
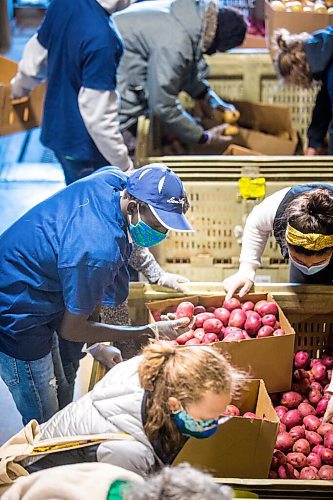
<point x="329" y="410"/>
<point x="17" y="91"/>
<point x="108" y="355"/>
<point x="237" y="282"/>
<point x="173" y="281"/>
<point x="169" y="330"/>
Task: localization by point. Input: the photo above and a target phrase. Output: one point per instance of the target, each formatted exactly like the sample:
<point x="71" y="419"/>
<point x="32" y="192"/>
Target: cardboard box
<point x="21" y="114"/>
<point x="234" y="150"/>
<point x="261" y="127"/>
<point x="241" y="447"/>
<point x="295" y="22"/>
<point x="269" y="358"/>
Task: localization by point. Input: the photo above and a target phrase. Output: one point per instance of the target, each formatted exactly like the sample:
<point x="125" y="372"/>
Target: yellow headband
<point x="310" y="241"/>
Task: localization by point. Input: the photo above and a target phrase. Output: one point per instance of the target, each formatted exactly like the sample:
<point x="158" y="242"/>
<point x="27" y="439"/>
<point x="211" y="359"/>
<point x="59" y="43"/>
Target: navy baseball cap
<point x="163" y="191"/>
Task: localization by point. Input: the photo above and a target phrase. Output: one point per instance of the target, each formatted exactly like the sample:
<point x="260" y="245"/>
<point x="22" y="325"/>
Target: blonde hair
<point x="186" y="374"/>
<point x="290" y="58"/>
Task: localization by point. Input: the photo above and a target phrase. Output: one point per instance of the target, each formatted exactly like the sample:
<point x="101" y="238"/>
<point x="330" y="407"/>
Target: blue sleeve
<point x="83" y="287"/>
<point x="100" y="69"/>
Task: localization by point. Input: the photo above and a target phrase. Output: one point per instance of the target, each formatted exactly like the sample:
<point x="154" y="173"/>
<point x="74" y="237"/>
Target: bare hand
<point x="236" y="282"/>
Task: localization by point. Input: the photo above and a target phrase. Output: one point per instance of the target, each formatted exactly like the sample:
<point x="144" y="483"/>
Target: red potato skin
<point x="291" y="399"/>
<point x="231" y="304"/>
<point x="291" y="419"/>
<point x="326" y="472"/>
<point x="212" y="325"/>
<point x="184" y="337"/>
<point x="194" y="341"/>
<point x="284" y="442"/>
<point x="252" y="324"/>
<point x="258" y="304"/>
<point x="321" y="407"/>
<point x="279" y="332"/>
<point x="297" y="432"/>
<point x="313" y="437"/>
<point x="302" y="446"/>
<point x="199" y="333"/>
<point x="279" y="458"/>
<point x="302" y="360"/>
<point x="269" y="320"/>
<point x="199" y="310"/>
<point x="268" y="308"/>
<point x="306" y="409"/>
<point x="237" y="318"/>
<point x="248" y="305"/>
<point x="327" y="456"/>
<point x="211" y="309"/>
<point x="232" y="410"/>
<point x="223" y="315"/>
<point x="297" y="460"/>
<point x="234" y="337"/>
<point x="209" y="338"/>
<point x="286" y="471"/>
<point x="308" y="473"/>
<point x="250" y="414"/>
<point x="328" y="439"/>
<point x="318" y="371"/>
<point x="311" y="422"/>
<point x="313" y="460"/>
<point x="201" y="318"/>
<point x="265" y="331"/>
<point x="185" y="310"/>
<point x="324" y="428"/>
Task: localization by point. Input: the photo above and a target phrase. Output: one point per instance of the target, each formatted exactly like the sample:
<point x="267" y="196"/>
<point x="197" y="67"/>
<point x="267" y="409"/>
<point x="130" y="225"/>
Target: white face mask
<point x="309" y="270"/>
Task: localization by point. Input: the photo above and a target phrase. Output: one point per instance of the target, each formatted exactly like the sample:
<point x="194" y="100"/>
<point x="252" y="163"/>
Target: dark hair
<point x="291" y="62"/>
<point x="312" y="212"/>
<point x="230" y="31"/>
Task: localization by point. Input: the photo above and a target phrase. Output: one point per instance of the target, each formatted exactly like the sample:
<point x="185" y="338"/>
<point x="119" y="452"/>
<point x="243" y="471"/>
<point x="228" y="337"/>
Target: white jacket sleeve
<point x="99" y="110"/>
<point x="258" y="227"/>
<point x="32" y="68"/>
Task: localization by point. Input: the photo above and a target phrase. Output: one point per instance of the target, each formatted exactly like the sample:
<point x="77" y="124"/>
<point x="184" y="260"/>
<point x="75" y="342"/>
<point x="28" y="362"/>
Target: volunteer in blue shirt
<point x="77" y="49"/>
<point x="62" y="259"/>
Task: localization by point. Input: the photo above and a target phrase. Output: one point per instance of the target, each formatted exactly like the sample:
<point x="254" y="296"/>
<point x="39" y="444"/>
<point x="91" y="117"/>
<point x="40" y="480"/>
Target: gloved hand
<point x="169" y="330"/>
<point x="236" y="282"/>
<point x="108" y="355"/>
<point x="216" y="136"/>
<point x="17" y="91"/>
<point x="216" y="108"/>
<point x="173" y="281"/>
<point x="216" y="102"/>
<point x="329" y="410"/>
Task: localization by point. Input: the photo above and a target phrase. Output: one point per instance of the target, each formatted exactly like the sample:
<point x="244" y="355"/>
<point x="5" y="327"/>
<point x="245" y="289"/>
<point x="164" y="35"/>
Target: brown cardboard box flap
<point x="241" y="447"/>
<point x="235" y="150"/>
<point x="268" y="118"/>
<point x="256" y="356"/>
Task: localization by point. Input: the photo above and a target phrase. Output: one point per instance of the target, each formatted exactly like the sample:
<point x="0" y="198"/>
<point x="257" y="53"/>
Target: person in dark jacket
<point x="164" y="44"/>
<point x="304" y="59"/>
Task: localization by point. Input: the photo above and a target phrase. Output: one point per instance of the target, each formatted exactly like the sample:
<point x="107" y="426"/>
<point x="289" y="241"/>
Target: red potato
<point x="284" y="442"/>
<point x="327" y="456"/>
<point x="232" y="410"/>
<point x="277" y="325"/>
<point x="223" y="315"/>
<point x="185" y="310"/>
<point x="211" y="309"/>
<point x="318" y="449"/>
<point x="250" y="414"/>
<point x="313" y="460"/>
<point x="279" y="332"/>
<point x="311" y="422"/>
<point x="194" y="341"/>
<point x="231" y="304"/>
<point x="199" y="333"/>
<point x="269" y="320"/>
<point x="156" y="315"/>
<point x="326" y="472"/>
<point x="252" y="324"/>
<point x="328" y="440"/>
<point x="291" y="419"/>
<point x="318" y="371"/>
<point x="302" y="446"/>
<point x="265" y="331"/>
<point x="248" y="305"/>
<point x="212" y="325"/>
<point x="306" y="409"/>
<point x="314" y="397"/>
<point x="209" y="338"/>
<point x="199" y="310"/>
<point x="291" y="399"/>
<point x="321" y="407"/>
<point x="281" y="411"/>
<point x="308" y="473"/>
<point x="201" y="318"/>
<point x="282" y="427"/>
<point x="247" y="336"/>
<point x="184" y="337"/>
<point x="327" y="360"/>
<point x="237" y="318"/>
<point x="297" y="460"/>
<point x="273" y="475"/>
<point x="286" y="471"/>
<point x="323" y="428"/>
<point x="302" y="360"/>
<point x="316" y="386"/>
<point x="259" y="304"/>
<point x="267" y="308"/>
<point x="313" y="437"/>
<point x="279" y="458"/>
<point x="232" y="329"/>
<point x="297" y="432"/>
<point x="234" y="337"/>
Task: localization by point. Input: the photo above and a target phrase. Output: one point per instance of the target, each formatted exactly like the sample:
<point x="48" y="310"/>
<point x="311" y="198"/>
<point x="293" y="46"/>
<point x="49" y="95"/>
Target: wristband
<point x="204" y="138"/>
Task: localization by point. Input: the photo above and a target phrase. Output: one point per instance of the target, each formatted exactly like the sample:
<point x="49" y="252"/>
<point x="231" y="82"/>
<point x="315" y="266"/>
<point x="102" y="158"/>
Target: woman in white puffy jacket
<point x="158" y="399"/>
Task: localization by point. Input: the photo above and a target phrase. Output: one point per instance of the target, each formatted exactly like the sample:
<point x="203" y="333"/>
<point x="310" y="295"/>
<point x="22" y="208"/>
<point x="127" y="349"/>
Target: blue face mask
<point x="144" y="235"/>
<point x="189" y="426"/>
<point x="309" y="270"/>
